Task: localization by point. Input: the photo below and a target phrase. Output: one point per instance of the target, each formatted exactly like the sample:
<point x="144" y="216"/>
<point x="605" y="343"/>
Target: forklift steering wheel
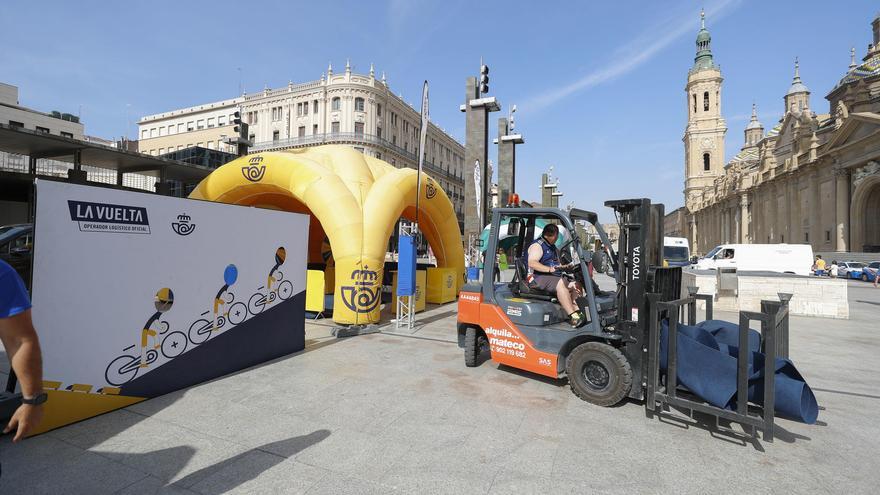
<point x="564" y="256"/>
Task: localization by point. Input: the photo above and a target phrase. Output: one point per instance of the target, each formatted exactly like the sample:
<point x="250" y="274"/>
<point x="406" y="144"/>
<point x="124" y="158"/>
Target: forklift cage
<point x="774" y="342"/>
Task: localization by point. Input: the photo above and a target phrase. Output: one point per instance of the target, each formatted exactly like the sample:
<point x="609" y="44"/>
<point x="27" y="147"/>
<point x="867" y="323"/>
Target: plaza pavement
<point x="391" y="414"/>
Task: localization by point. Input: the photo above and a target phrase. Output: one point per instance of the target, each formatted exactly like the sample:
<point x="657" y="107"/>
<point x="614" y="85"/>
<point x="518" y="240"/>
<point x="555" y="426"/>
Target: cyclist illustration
<point x="280" y="255"/>
<point x="163" y="302"/>
<point x="276" y="286"/>
<point x="230" y="275"/>
<point x="225" y="309"/>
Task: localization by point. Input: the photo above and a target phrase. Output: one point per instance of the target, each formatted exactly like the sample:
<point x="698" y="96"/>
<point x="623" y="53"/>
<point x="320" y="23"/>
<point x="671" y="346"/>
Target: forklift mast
<point x="639" y="254"/>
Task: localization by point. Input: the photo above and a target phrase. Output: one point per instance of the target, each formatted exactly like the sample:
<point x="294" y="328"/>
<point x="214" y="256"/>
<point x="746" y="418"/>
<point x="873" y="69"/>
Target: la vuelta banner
<point x="136" y="295"/>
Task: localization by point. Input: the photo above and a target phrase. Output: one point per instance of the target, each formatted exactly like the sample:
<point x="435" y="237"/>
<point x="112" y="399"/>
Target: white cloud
<point x="631" y="54"/>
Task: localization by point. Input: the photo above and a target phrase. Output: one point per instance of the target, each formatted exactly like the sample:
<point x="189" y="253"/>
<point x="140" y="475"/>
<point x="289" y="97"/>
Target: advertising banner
<point x="136" y="295"/>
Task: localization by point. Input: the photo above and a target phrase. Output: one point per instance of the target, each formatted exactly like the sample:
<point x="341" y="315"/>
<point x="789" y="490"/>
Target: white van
<point x="783" y="258"/>
<point x="676" y="251"/>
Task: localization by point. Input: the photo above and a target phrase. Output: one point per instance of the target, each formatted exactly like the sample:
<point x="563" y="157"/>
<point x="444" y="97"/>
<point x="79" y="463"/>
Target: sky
<point x="599" y="86"/>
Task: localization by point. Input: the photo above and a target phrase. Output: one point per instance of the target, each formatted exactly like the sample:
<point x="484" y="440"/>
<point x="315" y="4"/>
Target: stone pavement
<point x="391" y="414"/>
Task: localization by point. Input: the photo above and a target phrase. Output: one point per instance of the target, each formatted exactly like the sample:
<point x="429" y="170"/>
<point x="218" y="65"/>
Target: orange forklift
<point x="525" y="328"/>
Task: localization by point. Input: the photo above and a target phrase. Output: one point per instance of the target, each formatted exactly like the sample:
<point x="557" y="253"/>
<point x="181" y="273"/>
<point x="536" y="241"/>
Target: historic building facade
<point x="359" y="110"/>
<point x="813" y="178"/>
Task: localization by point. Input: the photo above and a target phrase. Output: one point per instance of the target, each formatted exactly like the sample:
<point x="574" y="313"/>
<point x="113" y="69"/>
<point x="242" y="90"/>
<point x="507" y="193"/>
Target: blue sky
<point x="599" y="86"/>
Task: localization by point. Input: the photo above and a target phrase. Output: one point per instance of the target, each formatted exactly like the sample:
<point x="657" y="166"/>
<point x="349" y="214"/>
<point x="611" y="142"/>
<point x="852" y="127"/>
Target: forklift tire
<point x="598" y="373"/>
<point x="474" y="345"/>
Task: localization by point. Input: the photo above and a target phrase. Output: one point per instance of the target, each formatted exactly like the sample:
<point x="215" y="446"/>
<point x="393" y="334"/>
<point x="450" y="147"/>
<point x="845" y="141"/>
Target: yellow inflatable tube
<point x="355" y="201"/>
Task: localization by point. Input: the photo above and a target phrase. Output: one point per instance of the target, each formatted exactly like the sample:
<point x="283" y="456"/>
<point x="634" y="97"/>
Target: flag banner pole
<point x="423" y="137"/>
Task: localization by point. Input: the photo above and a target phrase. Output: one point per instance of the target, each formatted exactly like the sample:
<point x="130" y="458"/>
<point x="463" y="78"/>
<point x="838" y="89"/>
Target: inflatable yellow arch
<point x="354" y="201"/>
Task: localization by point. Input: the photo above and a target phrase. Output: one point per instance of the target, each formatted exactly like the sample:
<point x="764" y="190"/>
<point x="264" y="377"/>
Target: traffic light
<point x="241" y="128"/>
<point x="484" y="79"/>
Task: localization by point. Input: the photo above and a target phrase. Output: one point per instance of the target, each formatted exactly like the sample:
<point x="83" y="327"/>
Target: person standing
<point x="819" y="266"/>
<point x="23" y="348"/>
<point x="835" y="269"/>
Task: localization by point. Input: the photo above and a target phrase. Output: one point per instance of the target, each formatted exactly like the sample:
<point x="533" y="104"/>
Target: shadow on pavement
<point x="238" y="469"/>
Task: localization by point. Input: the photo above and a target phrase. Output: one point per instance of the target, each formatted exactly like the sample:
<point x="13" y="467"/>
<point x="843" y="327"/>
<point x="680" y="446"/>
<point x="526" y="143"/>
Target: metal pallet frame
<point x="774" y="342"/>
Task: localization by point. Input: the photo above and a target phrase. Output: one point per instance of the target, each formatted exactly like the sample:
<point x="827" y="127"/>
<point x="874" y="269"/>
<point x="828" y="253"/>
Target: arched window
<point x="358" y="104"/>
<point x="706" y="162"/>
<point x="706" y="101"/>
<point x="695" y="103"/>
<point x="336" y="103"/>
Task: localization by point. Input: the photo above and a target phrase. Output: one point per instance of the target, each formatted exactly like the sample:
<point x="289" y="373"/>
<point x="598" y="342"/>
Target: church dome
<point x="796" y="85"/>
<point x="703" y="35"/>
<point x="868" y="68"/>
<point x="754" y="123"/>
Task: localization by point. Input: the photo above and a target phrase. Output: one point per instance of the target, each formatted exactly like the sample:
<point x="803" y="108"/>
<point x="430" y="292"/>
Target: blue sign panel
<point x="406" y="266"/>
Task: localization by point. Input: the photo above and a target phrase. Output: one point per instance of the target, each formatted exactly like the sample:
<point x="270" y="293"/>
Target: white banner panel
<point x="136" y="294"/>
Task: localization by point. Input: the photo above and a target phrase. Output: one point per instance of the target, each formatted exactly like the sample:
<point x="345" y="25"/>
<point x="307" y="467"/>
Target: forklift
<point x="616" y="354"/>
<point x="525" y="328"/>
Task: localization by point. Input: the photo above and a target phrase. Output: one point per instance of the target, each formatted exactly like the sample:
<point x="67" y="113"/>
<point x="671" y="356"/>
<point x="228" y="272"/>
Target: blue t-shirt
<point x="13" y="295"/>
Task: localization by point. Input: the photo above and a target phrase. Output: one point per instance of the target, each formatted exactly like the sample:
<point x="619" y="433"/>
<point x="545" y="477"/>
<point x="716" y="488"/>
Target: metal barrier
<point x="774" y="341"/>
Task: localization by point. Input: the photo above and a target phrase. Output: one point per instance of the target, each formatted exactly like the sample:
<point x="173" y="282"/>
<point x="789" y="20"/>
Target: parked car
<point x="869" y="273"/>
<point x="17" y="248"/>
<point x="851" y="269"/>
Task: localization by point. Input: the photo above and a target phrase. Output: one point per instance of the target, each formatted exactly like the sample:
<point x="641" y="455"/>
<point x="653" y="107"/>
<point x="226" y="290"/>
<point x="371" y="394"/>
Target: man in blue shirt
<point x="23" y="348"/>
<point x="543" y="260"/>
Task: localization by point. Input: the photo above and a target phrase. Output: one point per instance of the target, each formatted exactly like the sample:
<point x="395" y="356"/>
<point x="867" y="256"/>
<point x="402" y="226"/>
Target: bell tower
<point x="704" y="134"/>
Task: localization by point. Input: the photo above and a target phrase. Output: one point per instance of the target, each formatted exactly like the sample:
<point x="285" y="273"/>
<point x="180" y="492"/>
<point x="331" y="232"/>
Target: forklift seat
<point x="520" y="287"/>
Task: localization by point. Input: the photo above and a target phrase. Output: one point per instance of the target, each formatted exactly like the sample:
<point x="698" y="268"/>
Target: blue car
<point x="852" y="270"/>
<point x="869" y="273"/>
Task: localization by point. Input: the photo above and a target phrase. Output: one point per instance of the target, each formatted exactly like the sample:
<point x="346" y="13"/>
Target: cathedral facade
<point x="813" y="178"/>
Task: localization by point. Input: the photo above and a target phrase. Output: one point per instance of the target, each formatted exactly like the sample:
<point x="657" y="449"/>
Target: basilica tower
<point x="704" y="135"/>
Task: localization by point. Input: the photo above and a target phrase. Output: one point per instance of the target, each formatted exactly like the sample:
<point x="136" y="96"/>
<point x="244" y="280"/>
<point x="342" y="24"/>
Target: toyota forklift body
<point x="525" y="328"/>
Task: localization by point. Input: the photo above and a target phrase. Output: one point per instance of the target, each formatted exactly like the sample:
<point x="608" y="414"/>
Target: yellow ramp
<point x="64" y="407"/>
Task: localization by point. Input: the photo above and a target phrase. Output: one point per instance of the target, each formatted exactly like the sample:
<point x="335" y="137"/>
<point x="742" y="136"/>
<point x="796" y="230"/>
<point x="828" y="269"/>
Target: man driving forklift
<point x="543" y="261"/>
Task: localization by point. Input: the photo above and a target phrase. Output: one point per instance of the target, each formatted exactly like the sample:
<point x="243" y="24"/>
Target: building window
<point x="827" y="236"/>
<point x="17" y="125"/>
<point x="695" y="103"/>
<point x="299" y="109"/>
<point x="334" y="127"/>
<point x="314" y="129"/>
<point x="301" y="132"/>
<point x="200" y="124"/>
<point x="44" y="130"/>
<point x="806" y="237"/>
<point x="706" y="162"/>
<point x="706" y="101"/>
<point x="306" y="108"/>
<point x="144" y="134"/>
<point x="379" y="132"/>
<point x="315" y="106"/>
<point x="210" y="122"/>
<point x="179" y="128"/>
<point x="66" y="134"/>
<point x="358" y="104"/>
<point x="378" y="110"/>
<point x="276" y="135"/>
<point x="161" y="131"/>
<point x="335" y="103"/>
<point x="359" y="128"/>
<point x="221" y="121"/>
<point x="190" y="126"/>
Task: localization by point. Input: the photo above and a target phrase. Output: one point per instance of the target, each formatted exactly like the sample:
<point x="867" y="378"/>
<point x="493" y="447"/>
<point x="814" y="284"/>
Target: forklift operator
<point x="543" y="260"/>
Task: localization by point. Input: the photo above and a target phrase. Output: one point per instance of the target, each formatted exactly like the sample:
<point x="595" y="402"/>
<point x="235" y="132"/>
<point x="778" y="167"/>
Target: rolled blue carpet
<point x="707" y="358"/>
